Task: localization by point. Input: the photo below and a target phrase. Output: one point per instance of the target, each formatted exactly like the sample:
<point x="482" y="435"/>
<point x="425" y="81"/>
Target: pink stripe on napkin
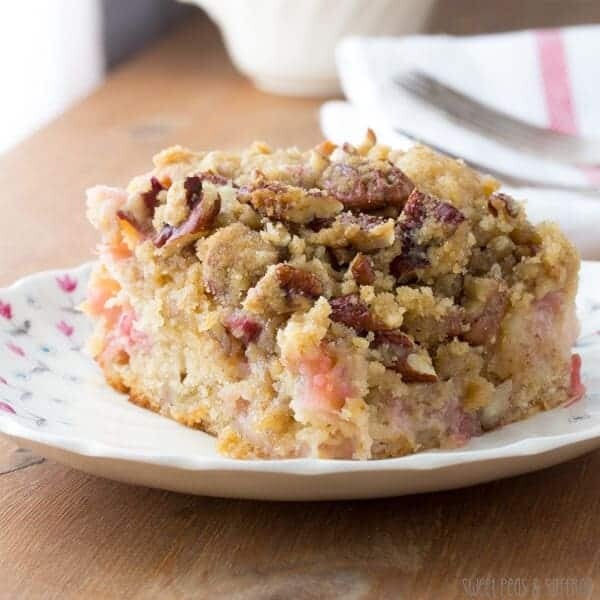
<point x="592" y="173"/>
<point x="555" y="78"/>
<point x="557" y="90"/>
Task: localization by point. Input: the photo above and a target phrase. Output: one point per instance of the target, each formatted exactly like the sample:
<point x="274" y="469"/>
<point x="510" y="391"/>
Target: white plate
<point x="53" y="400"/>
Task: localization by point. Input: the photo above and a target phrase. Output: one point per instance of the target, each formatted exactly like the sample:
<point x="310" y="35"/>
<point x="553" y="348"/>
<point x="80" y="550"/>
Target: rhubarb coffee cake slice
<point x="343" y="302"/>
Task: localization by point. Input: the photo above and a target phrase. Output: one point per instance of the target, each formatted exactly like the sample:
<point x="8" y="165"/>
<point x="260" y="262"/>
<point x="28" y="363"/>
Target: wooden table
<point x="64" y="534"/>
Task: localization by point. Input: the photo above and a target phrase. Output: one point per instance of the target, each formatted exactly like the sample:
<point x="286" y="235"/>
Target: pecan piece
<point x="405" y="265"/>
<point x="234" y="259"/>
<point x="527" y="239"/>
<point x="420" y="207"/>
<point x="193" y="189"/>
<point x="484" y="326"/>
<point x="360" y="231"/>
<point x="193" y="183"/>
<point x="351" y="311"/>
<point x="362" y="184"/>
<point x="283" y="202"/>
<point x="193" y="186"/>
<point x="150" y="197"/>
<point x="150" y="200"/>
<point x="400" y="353"/>
<point x="201" y="218"/>
<point x="298" y="281"/>
<point x="485" y="313"/>
<point x="162" y="237"/>
<point x="362" y="270"/>
<point x="364" y="221"/>
<point x="400" y="341"/>
<point x="283" y="289"/>
<point x="418" y="210"/>
<point x="417" y="369"/>
<point x="448" y="214"/>
<point x="367" y="232"/>
<point x="500" y="202"/>
<point x="318" y="224"/>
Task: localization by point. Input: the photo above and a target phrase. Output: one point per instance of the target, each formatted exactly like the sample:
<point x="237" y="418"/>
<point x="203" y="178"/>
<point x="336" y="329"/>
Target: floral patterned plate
<point x="53" y="399"/>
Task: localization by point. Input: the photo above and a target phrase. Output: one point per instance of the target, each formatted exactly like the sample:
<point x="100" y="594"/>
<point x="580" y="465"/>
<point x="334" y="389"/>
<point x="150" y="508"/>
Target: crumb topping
<point x="356" y="301"/>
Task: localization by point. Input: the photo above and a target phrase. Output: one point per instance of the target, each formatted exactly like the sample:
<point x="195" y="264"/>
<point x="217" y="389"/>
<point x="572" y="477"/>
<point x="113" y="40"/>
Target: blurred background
<point x="54" y="52"/>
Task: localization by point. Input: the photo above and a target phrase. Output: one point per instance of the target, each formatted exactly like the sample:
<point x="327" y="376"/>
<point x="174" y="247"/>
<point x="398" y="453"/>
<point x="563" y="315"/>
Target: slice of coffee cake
<point x="343" y="302"/>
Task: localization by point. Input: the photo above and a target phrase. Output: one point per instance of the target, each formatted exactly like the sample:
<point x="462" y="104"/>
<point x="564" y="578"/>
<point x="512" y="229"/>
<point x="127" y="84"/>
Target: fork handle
<point x="515" y="180"/>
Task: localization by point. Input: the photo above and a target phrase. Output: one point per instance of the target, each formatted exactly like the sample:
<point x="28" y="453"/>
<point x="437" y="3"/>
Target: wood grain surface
<point x="64" y="534"/>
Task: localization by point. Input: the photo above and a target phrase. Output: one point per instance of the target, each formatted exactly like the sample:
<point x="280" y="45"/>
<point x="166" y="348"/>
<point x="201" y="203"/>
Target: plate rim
<point x="426" y="461"/>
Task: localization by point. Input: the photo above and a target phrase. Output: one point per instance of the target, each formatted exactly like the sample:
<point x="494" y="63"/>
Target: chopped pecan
<point x="367" y="232"/>
<point x="162" y="237"/>
<point x="364" y="221"/>
<point x="405" y="265"/>
<point x="400" y="353"/>
<point x="193" y="183"/>
<point x="203" y="212"/>
<point x="298" y="281"/>
<point x="234" y="259"/>
<point x="394" y="337"/>
<point x="361" y="231"/>
<point x="150" y="197"/>
<point x="243" y="326"/>
<point x="351" y="311"/>
<point x="485" y="325"/>
<point x="448" y="214"/>
<point x="193" y="190"/>
<point x="362" y="270"/>
<point x="360" y="185"/>
<point x="201" y="218"/>
<point x="527" y="239"/>
<point x="417" y="369"/>
<point x="500" y="202"/>
<point x="283" y="202"/>
<point x="399" y="342"/>
<point x="418" y="210"/>
<point x="485" y="315"/>
<point x="283" y="289"/>
<point x="419" y="207"/>
<point x="318" y="224"/>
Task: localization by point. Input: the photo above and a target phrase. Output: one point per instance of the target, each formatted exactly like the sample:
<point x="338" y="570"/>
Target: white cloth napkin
<point x="548" y="78"/>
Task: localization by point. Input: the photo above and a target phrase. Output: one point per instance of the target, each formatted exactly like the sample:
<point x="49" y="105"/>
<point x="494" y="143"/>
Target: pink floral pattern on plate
<point x="36" y="350"/>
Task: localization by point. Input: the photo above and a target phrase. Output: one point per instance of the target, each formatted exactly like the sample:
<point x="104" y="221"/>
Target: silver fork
<point x="481" y="118"/>
<point x="507" y="178"/>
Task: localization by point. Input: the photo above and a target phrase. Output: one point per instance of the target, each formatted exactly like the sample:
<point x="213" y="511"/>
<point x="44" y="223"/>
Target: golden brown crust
<point x="115" y="381"/>
<point x="139" y="398"/>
